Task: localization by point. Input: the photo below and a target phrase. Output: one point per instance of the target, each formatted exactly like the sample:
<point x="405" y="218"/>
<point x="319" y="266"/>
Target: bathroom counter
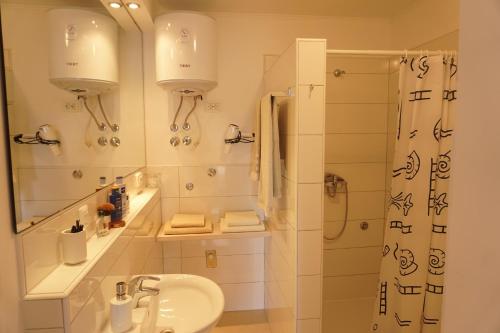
<point x="61" y="282"/>
<point x="215" y="234"/>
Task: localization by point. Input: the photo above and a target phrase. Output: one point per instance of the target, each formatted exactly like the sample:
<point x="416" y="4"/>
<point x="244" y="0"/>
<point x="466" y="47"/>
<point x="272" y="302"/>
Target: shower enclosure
<point x="338" y="122"/>
<point x="360" y="120"/>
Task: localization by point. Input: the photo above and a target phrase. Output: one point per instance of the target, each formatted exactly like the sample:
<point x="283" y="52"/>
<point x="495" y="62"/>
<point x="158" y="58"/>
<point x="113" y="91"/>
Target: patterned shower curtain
<point x="411" y="278"/>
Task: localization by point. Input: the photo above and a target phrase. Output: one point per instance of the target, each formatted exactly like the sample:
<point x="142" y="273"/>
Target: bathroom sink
<point x="186" y="304"/>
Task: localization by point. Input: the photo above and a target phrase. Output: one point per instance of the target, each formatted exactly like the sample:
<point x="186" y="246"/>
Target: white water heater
<point x="83" y="51"/>
<point x="186" y="54"/>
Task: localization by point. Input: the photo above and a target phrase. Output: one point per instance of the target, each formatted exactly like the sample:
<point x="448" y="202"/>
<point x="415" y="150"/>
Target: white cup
<point x="74" y="246"/>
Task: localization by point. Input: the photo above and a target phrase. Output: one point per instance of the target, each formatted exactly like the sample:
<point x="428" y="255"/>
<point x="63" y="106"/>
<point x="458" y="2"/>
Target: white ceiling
<point x="360" y="8"/>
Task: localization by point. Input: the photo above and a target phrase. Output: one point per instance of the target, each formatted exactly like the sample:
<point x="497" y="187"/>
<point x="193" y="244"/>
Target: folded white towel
<point x="169" y="230"/>
<point x="224" y="228"/>
<point x="187" y="220"/>
<point x="241" y="218"/>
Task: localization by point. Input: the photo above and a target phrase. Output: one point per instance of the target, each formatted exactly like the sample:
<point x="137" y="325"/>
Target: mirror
<point x="74" y="96"/>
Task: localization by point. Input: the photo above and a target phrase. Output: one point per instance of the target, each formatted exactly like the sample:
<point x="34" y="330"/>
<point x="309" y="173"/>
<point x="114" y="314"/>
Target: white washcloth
<point x="224" y="228"/>
<point x="270" y="162"/>
<point x="188" y="220"/>
<point x="241" y="218"/>
<point x="206" y="229"/>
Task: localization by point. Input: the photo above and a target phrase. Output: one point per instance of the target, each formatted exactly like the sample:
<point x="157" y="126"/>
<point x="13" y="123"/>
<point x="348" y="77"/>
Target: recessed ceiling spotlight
<point x="115" y="5"/>
<point x="133" y="5"/>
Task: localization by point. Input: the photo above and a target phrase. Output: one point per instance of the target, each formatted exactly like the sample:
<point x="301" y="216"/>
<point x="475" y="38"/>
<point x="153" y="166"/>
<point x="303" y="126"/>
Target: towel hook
<point x="311" y="88"/>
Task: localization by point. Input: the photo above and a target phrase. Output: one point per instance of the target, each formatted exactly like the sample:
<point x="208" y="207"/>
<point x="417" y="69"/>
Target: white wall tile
<point x="230" y="180"/>
<point x="309" y="252"/>
<point x="308" y="326"/>
<point x="224" y="247"/>
<point x="357" y="65"/>
<point x="170" y="207"/>
<point x="348" y="316"/>
<point x="362" y="205"/>
<point x="310" y="206"/>
<point x="169" y="178"/>
<point x="243" y="296"/>
<point x="42" y="314"/>
<point x="309" y="297"/>
<point x="352" y="261"/>
<point x="356" y="118"/>
<point x="354" y="148"/>
<point x="311" y="52"/>
<point x="360" y="176"/>
<point x="230" y="269"/>
<point x="354" y="235"/>
<point x="348" y="287"/>
<point x="310" y="159"/>
<point x="311" y="109"/>
<point x="172" y="249"/>
<point x="172" y="265"/>
<point x="215" y="207"/>
<point x="356" y="88"/>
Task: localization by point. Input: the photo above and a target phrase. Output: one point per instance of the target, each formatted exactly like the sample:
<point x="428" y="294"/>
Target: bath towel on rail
<point x="266" y="160"/>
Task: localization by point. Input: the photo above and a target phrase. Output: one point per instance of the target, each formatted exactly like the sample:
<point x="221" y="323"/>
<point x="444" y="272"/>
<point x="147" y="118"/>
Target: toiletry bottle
<point x="102" y="223"/>
<point x="121" y="309"/>
<point x="115" y="198"/>
<point x="102" y="183"/>
<point x="123" y="190"/>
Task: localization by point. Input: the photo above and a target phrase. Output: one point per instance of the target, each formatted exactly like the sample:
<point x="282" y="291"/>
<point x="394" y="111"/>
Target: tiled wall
<point x="239" y="271"/>
<point x="357" y="105"/>
<point x="281" y="247"/>
<point x="293" y="253"/>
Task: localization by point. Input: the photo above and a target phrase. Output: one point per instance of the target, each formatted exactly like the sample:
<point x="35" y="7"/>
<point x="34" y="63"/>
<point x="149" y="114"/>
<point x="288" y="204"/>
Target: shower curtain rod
<point x="389" y="52"/>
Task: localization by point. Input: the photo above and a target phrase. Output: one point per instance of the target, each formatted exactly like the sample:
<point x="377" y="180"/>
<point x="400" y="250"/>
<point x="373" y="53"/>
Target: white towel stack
<point x="246" y="221"/>
<point x="182" y="224"/>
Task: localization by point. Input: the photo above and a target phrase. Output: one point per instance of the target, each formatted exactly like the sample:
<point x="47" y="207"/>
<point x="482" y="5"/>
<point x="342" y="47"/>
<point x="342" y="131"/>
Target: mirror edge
<point x="6" y="135"/>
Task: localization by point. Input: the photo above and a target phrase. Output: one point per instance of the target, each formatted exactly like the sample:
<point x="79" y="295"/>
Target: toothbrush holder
<point x="74" y="246"/>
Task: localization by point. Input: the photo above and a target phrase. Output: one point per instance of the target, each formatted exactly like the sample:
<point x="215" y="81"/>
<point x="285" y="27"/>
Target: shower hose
<point x="344" y="225"/>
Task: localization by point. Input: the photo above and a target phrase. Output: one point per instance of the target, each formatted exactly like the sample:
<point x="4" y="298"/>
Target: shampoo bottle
<point x="121" y="310"/>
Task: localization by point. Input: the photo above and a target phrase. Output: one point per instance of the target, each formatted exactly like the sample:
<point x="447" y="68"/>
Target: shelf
<point x="62" y="280"/>
<point x="215" y="234"/>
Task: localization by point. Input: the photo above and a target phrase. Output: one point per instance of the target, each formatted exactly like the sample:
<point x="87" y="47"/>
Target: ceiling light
<point x="115" y="5"/>
<point x="133" y="5"/>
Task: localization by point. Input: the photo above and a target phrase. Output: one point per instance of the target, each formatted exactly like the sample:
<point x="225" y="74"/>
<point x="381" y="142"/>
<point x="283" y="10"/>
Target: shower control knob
<point x="174" y="128"/>
<point x="364" y="225"/>
<point x="189" y="186"/>
<point x="212" y="172"/>
<point x="102" y="141"/>
<point x="115" y="141"/>
<point x="187" y="140"/>
<point x="77" y="174"/>
<point x="186" y="126"/>
<point x="174" y="141"/>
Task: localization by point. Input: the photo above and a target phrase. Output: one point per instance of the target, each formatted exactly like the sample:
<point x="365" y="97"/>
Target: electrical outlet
<point x="211" y="258"/>
<point x="212" y="107"/>
<point x="73" y="106"/>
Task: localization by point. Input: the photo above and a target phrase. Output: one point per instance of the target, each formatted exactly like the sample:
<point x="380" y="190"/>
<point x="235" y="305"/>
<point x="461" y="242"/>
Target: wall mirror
<point x="74" y="95"/>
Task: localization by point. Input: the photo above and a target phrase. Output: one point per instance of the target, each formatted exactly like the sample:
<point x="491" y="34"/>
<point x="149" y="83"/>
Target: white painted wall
<point x="473" y="273"/>
<point x="424" y="21"/>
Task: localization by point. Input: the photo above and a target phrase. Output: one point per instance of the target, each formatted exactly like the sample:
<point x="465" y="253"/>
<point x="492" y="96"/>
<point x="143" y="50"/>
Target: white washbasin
<point x="186" y="304"/>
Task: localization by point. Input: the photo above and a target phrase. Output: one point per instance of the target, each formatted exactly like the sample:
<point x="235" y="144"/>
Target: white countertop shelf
<point x="61" y="281"/>
<point x="215" y="234"/>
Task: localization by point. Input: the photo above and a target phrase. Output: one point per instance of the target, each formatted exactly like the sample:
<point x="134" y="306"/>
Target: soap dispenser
<point x="121" y="309"/>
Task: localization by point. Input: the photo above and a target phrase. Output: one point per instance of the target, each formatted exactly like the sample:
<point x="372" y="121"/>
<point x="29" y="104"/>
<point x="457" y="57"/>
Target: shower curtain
<point x="411" y="278"/>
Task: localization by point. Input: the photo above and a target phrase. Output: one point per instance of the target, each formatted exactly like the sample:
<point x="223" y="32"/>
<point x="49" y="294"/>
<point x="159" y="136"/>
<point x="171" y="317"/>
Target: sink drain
<point x="167" y="330"/>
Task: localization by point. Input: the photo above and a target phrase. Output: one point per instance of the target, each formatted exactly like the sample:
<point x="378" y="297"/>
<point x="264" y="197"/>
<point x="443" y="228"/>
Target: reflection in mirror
<point x="75" y="102"/>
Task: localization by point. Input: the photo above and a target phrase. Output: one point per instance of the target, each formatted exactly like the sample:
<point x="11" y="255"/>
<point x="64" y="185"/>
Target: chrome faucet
<point x="137" y="291"/>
